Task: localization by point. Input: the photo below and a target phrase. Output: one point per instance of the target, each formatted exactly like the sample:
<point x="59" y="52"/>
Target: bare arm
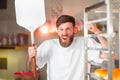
<point x="93" y="28"/>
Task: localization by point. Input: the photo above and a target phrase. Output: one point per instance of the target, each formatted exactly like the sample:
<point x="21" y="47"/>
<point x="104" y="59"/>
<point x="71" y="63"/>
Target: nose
<point x="64" y="32"/>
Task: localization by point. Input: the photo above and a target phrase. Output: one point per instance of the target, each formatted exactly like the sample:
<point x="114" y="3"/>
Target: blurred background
<point x="15" y="39"/>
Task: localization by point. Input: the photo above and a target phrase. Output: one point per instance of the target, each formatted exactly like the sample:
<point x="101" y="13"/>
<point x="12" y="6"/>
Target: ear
<point x="75" y="29"/>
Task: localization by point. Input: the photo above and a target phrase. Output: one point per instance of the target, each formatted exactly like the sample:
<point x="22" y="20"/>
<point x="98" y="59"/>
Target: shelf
<point x="99" y="49"/>
<point x="109" y="34"/>
<point x="94" y="76"/>
<point x="13" y="47"/>
<point x="21" y="47"/>
<point x="94" y="63"/>
<point x="7" y="47"/>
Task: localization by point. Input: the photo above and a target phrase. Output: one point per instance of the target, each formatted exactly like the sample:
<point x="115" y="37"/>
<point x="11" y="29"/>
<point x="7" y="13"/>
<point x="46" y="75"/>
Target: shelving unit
<point x="14" y="41"/>
<point x="108" y="20"/>
<point x="119" y="39"/>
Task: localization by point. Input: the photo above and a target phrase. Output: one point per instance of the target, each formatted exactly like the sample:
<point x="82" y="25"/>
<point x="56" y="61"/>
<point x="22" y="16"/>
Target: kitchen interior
<point x="15" y="39"/>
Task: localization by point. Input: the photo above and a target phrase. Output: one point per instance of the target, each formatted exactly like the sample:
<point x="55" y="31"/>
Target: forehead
<point x="66" y="25"/>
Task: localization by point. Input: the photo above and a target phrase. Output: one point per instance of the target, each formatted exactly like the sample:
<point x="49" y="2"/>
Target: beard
<point x="66" y="43"/>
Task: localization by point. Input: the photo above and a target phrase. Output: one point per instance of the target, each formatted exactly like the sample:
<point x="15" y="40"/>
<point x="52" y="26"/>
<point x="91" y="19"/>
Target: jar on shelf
<point x="4" y="41"/>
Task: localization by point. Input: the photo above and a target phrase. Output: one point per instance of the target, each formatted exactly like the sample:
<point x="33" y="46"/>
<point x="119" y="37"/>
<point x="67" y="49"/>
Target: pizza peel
<point x="30" y="14"/>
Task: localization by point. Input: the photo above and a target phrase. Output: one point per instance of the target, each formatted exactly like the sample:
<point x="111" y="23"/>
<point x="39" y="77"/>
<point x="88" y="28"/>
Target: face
<point x="66" y="34"/>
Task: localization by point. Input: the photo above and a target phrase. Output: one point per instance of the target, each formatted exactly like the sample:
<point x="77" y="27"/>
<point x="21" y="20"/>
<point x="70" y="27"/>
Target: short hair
<point x="64" y="19"/>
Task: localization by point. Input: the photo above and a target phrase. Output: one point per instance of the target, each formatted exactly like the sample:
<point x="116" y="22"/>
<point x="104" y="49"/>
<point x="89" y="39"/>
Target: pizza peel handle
<point x="30" y="14"/>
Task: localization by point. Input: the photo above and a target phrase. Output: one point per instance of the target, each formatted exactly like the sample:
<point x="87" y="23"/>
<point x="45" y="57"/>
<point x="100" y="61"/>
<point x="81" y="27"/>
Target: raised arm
<point x="31" y="53"/>
<point x="94" y="29"/>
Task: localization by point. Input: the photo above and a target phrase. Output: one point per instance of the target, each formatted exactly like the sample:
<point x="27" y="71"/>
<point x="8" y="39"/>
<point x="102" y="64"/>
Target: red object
<point x="24" y="73"/>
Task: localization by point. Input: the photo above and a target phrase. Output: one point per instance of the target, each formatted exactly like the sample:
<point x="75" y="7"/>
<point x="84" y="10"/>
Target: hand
<point x="105" y="55"/>
<point x="114" y="56"/>
<point x="32" y="51"/>
<point x="93" y="28"/>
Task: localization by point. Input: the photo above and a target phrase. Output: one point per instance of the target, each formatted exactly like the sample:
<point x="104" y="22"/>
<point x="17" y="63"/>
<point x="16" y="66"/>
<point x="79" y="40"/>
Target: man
<point x="65" y="56"/>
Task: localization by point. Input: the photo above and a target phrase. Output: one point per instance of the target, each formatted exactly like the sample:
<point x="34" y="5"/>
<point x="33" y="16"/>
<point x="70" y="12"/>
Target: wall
<point x="16" y="58"/>
<point x="16" y="61"/>
<point x="8" y="20"/>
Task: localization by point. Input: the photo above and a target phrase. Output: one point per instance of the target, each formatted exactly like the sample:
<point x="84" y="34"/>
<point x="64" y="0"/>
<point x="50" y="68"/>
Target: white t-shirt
<point x="65" y="63"/>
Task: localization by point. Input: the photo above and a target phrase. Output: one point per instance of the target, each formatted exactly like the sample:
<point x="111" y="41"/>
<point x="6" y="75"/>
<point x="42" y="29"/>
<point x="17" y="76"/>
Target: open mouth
<point x="65" y="38"/>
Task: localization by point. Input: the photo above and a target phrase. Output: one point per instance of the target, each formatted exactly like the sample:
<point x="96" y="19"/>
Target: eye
<point x="60" y="29"/>
<point x="68" y="28"/>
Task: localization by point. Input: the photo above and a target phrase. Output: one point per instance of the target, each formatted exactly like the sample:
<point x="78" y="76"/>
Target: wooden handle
<point x="34" y="65"/>
<point x="34" y="68"/>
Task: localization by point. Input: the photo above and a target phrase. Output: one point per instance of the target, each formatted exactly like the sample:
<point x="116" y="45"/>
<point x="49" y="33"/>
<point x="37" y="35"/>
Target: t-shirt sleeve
<point x="94" y="55"/>
<point x="41" y="57"/>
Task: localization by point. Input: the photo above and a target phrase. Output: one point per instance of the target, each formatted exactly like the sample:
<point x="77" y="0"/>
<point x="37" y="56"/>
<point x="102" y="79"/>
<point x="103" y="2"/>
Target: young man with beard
<point x="65" y="56"/>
